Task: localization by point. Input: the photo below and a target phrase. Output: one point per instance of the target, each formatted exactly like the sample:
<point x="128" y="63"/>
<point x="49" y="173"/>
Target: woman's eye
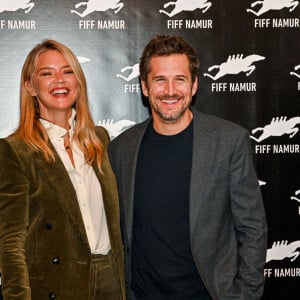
<point x="69" y="71"/>
<point x="45" y="74"/>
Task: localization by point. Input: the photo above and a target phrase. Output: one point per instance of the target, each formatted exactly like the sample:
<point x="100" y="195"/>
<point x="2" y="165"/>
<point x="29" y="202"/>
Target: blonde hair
<point x="30" y="128"/>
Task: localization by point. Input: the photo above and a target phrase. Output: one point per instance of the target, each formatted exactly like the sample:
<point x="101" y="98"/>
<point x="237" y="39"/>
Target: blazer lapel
<point x="64" y="191"/>
<point x="204" y="149"/>
<point x="110" y="195"/>
<point x="129" y="161"/>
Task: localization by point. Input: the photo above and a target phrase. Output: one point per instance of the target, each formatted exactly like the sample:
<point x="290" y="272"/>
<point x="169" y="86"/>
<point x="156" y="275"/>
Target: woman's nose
<point x="59" y="77"/>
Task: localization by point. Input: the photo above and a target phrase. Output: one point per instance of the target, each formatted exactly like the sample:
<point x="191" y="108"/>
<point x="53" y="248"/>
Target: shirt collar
<point x="54" y="131"/>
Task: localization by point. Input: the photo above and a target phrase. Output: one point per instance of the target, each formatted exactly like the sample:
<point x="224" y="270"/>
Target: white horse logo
<point x="282" y="250"/>
<point x="83" y="59"/>
<point x="267" y="5"/>
<point x="297" y="193"/>
<point x="98" y="5"/>
<point x="185" y="5"/>
<point x="133" y="72"/>
<point x="235" y="64"/>
<point x="115" y="128"/>
<point x="14" y="5"/>
<point x="260" y="182"/>
<point x="278" y="127"/>
<point x="294" y="73"/>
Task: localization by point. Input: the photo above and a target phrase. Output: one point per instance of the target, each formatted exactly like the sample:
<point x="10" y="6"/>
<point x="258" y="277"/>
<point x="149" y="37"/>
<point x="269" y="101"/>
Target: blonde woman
<point x="59" y="229"/>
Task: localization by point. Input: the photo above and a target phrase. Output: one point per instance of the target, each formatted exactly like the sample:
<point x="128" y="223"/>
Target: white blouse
<point x="86" y="185"/>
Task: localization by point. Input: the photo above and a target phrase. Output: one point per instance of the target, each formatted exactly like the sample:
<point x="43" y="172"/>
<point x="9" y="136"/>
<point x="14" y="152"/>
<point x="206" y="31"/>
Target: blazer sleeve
<point x="249" y="218"/>
<point x="14" y="207"/>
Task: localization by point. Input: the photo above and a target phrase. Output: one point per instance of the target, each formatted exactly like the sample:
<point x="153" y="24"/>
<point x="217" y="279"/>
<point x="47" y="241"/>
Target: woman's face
<point x="54" y="84"/>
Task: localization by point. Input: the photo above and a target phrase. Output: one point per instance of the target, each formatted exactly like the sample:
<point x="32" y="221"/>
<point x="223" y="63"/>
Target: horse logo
<point x="261" y="183"/>
<point x="282" y="250"/>
<point x="235" y="64"/>
<point x="297" y="193"/>
<point x="14" y="5"/>
<point x="115" y="128"/>
<point x="185" y="5"/>
<point x="267" y="5"/>
<point x="278" y="127"/>
<point x="296" y="69"/>
<point x="83" y="59"/>
<point x="133" y="72"/>
<point x="98" y="5"/>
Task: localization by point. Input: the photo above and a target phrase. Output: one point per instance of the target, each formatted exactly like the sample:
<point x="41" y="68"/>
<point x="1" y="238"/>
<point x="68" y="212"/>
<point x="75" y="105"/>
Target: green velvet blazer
<point x="44" y="248"/>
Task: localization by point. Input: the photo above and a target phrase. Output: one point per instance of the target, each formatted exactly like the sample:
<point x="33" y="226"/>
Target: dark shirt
<point x="162" y="263"/>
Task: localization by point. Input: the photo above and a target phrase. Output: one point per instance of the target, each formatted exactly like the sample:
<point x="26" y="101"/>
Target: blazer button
<point x="56" y="261"/>
<point x="48" y="226"/>
<point x="52" y="295"/>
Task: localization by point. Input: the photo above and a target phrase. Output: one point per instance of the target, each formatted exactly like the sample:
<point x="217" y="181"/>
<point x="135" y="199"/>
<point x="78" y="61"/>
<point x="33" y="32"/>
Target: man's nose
<point x="170" y="87"/>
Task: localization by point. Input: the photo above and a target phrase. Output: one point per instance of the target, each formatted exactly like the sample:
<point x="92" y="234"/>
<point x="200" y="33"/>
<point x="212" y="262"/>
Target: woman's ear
<point x="30" y="88"/>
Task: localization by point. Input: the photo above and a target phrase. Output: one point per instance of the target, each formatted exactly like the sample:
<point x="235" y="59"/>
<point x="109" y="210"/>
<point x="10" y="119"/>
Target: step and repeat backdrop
<point x="250" y="74"/>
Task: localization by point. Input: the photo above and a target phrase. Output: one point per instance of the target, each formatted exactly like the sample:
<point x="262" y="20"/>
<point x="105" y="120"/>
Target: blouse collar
<point x="54" y="131"/>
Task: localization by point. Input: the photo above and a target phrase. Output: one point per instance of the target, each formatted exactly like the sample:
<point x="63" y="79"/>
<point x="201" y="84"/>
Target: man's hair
<point x="31" y="130"/>
<point x="165" y="45"/>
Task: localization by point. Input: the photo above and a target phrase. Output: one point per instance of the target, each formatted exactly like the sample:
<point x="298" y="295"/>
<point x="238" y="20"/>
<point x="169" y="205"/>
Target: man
<point x="193" y="218"/>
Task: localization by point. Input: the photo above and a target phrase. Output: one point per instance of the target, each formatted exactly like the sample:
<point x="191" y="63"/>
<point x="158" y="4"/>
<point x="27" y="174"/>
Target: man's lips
<point x="170" y="100"/>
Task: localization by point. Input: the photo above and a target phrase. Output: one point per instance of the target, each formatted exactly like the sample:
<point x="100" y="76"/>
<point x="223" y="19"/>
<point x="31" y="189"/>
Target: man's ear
<point x="144" y="88"/>
<point x="30" y="88"/>
<point x="195" y="86"/>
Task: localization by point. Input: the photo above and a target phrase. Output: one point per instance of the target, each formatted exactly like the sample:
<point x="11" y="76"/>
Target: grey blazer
<point x="228" y="229"/>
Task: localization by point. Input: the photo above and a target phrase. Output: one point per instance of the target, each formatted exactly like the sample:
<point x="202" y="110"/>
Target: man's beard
<point x="171" y="117"/>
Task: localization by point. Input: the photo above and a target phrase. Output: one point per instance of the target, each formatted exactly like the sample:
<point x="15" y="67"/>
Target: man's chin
<point x="170" y="118"/>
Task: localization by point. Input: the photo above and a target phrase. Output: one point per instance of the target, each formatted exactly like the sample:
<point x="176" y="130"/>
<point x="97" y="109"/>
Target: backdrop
<point x="250" y="74"/>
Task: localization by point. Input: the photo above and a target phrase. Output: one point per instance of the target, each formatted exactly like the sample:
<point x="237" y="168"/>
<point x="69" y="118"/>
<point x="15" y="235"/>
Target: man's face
<point x="170" y="88"/>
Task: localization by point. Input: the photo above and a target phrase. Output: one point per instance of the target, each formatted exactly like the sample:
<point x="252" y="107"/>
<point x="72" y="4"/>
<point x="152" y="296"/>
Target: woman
<point x="59" y="229"/>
